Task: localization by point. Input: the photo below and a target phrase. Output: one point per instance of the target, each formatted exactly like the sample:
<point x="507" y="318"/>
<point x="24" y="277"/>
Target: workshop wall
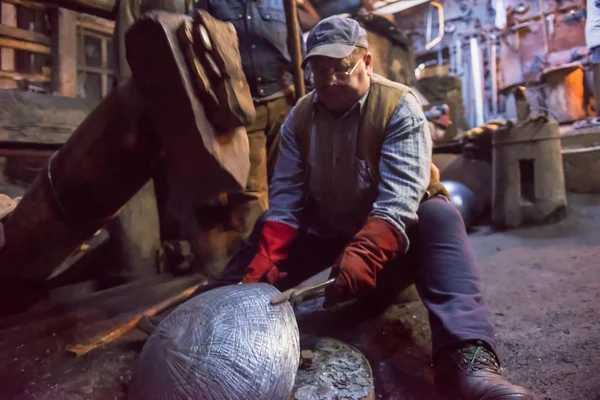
<point x="517" y="41"/>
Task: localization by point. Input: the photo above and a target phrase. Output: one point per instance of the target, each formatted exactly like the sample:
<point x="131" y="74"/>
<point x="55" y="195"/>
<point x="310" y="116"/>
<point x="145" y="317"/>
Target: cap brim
<point x="334" y="50"/>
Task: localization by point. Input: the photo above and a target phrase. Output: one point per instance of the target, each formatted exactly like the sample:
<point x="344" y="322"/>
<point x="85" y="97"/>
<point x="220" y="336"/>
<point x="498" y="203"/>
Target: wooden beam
<point x="96" y="70"/>
<point x="23" y="34"/>
<point x="64" y="42"/>
<point x="44" y="153"/>
<point x="28" y="118"/>
<point x="27" y="46"/>
<point x="125" y="323"/>
<point x="96" y="24"/>
<point x="34" y="134"/>
<point x="17" y="76"/>
<point x="29" y="4"/>
<point x="100" y="8"/>
<point x="8" y="17"/>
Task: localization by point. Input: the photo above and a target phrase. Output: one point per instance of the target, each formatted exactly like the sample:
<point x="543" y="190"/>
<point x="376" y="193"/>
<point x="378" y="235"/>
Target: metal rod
<point x="544" y="28"/>
<point x="459" y="60"/>
<point x="494" y="75"/>
<point x="293" y="41"/>
<point x="477" y="80"/>
<point x="429" y="25"/>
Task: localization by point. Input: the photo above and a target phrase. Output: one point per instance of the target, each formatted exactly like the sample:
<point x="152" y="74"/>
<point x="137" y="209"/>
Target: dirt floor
<point x="543" y="286"/>
<point x="542" y="283"/>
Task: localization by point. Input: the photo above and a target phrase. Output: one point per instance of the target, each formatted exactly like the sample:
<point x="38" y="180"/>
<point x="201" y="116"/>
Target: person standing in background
<point x="262" y="33"/>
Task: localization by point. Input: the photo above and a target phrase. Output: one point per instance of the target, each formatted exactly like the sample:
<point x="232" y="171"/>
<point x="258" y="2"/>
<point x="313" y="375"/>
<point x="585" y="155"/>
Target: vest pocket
<point x="365" y="181"/>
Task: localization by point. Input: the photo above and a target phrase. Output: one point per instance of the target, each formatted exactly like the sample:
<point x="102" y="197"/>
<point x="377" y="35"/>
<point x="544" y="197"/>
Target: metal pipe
<point x="452" y="54"/>
<point x="398" y="7"/>
<point x="459" y="60"/>
<point x="476" y="76"/>
<point x="494" y="74"/>
<point x="544" y="28"/>
<point x="295" y="49"/>
<point x="429" y="25"/>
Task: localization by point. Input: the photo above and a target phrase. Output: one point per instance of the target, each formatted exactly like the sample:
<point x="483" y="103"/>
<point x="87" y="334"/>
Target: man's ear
<point x="369" y="63"/>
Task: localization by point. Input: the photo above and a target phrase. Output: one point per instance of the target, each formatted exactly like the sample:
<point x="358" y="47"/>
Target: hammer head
<point x="205" y="155"/>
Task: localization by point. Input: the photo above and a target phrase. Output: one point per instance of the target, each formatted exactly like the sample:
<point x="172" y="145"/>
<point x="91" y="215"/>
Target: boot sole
<point x="502" y="397"/>
<point x="490" y="396"/>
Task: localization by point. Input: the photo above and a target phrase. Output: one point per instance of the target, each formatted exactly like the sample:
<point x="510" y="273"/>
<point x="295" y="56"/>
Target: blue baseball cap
<point x="335" y="37"/>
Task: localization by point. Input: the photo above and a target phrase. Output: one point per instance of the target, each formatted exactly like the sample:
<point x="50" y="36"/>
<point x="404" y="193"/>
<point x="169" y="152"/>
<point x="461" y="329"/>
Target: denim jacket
<point x="262" y="34"/>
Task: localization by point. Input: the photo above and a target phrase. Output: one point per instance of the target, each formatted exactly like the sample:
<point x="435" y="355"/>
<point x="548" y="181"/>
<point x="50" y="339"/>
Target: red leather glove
<point x="362" y="259"/>
<point x="275" y="241"/>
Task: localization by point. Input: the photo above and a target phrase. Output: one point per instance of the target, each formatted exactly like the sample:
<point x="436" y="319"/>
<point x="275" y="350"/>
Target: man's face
<point x="340" y="83"/>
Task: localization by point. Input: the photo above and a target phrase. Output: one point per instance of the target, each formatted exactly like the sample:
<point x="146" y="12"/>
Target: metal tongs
<point x="297" y="295"/>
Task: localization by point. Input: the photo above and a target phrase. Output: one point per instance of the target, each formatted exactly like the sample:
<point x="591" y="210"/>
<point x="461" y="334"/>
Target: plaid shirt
<point x="262" y="35"/>
<point x="338" y="193"/>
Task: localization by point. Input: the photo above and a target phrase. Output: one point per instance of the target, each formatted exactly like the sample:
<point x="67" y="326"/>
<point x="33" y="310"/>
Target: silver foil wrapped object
<point x="225" y="344"/>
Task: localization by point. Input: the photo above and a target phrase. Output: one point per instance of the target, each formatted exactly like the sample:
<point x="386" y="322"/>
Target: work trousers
<point x="219" y="228"/>
<point x="440" y="262"/>
<point x="263" y="137"/>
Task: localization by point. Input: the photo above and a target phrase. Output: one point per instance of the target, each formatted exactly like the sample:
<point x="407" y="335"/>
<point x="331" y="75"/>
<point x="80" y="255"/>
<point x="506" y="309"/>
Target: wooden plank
<point x="23" y="34"/>
<point x="100" y="8"/>
<point x="35" y="118"/>
<point x="96" y="24"/>
<point x="21" y="45"/>
<point x="49" y="134"/>
<point x="17" y="76"/>
<point x="45" y="153"/>
<point x="28" y="4"/>
<point x="64" y="63"/>
<point x="96" y="70"/>
<point x="127" y="323"/>
<point x="8" y="17"/>
<point x="74" y="321"/>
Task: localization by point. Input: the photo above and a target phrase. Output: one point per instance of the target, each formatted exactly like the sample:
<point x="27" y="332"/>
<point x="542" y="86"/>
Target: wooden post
<point x="64" y="62"/>
<point x="293" y="42"/>
<point x="7" y="55"/>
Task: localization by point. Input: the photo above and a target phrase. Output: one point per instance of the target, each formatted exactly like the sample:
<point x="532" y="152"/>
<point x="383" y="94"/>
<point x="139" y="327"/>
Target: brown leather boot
<point x="472" y="372"/>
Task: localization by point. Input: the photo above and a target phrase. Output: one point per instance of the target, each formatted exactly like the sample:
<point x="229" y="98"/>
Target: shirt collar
<point x="360" y="104"/>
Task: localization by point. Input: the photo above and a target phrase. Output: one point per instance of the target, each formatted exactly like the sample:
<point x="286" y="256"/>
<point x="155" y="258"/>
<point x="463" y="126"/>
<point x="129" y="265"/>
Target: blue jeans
<point x="440" y="262"/>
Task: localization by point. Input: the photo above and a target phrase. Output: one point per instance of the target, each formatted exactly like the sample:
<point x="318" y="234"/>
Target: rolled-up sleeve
<point x="404" y="166"/>
<point x="287" y="189"/>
